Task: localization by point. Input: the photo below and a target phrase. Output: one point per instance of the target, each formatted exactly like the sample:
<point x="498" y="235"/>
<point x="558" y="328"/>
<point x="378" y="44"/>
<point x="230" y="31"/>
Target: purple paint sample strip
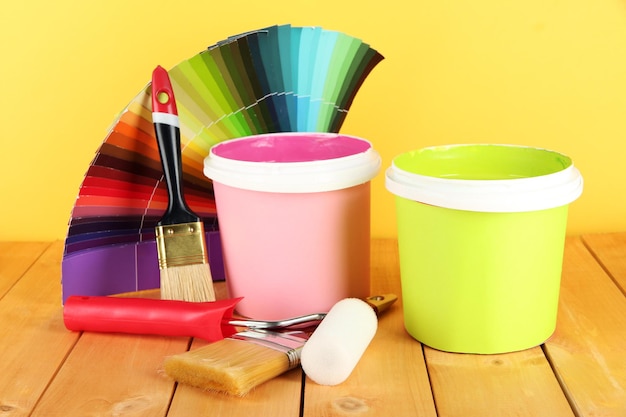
<point x="124" y="268"/>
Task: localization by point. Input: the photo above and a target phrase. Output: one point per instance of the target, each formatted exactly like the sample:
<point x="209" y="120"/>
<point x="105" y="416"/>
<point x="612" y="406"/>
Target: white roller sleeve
<point x="334" y="349"/>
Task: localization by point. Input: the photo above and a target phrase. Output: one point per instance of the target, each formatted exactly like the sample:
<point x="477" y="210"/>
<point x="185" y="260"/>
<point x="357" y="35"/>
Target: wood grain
<point x="512" y="384"/>
<point x="110" y="375"/>
<point x="609" y="249"/>
<point x="581" y="370"/>
<point x="33" y="339"/>
<point x="588" y="349"/>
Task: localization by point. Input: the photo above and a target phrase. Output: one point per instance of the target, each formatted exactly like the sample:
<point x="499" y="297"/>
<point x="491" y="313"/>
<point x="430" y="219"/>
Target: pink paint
<point x="291" y="148"/>
<point x="294" y="252"/>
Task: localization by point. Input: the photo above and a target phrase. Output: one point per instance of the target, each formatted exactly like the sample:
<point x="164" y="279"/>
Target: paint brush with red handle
<point x="181" y="246"/>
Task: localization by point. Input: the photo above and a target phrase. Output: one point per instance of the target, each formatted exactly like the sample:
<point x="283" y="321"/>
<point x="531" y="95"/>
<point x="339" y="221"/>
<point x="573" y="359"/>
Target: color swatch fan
<point x="277" y="79"/>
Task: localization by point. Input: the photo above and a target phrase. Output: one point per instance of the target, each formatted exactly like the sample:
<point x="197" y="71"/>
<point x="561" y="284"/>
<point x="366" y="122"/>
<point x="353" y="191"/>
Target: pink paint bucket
<point x="294" y="215"/>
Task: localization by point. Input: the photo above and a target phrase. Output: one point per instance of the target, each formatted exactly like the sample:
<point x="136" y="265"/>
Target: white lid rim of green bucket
<point x="294" y="177"/>
<point x="502" y="195"/>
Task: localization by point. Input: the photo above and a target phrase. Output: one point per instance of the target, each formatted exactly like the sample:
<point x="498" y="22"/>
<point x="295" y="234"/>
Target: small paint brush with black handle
<point x="181" y="246"/>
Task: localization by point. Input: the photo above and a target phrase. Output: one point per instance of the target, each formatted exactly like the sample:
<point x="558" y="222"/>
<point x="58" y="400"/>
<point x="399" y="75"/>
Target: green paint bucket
<point x="481" y="232"/>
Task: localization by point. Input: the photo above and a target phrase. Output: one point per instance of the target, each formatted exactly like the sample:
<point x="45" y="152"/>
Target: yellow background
<point x="547" y="73"/>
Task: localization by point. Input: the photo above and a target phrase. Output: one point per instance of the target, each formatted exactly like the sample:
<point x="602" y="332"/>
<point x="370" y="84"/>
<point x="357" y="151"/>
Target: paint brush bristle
<point x="183" y="263"/>
<point x="237" y="364"/>
<point x="189" y="283"/>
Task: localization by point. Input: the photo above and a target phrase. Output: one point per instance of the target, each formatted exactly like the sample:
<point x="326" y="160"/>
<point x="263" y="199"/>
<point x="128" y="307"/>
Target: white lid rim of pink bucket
<point x="498" y="195"/>
<point x="295" y="177"/>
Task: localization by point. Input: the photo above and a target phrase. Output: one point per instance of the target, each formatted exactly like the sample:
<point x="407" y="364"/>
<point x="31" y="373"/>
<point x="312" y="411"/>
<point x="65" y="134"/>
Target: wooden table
<point x="580" y="371"/>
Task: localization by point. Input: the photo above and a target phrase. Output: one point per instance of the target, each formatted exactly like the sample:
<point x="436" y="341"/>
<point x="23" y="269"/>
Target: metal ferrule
<point x="289" y="343"/>
<point x="181" y="245"/>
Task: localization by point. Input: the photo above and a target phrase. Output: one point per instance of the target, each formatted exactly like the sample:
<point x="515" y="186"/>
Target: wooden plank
<point x="33" y="339"/>
<point x="513" y="384"/>
<point x="610" y="250"/>
<point x="112" y="374"/>
<point x="391" y="378"/>
<point x="588" y="349"/>
<point x="15" y="259"/>
<point x="121" y="374"/>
